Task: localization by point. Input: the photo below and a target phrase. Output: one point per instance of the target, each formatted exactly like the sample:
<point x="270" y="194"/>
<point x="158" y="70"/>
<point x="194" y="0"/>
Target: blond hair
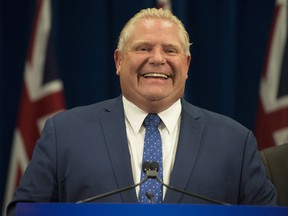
<point x="154" y="13"/>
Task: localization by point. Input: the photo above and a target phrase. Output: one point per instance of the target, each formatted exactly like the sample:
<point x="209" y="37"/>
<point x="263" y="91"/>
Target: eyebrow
<point x="137" y="43"/>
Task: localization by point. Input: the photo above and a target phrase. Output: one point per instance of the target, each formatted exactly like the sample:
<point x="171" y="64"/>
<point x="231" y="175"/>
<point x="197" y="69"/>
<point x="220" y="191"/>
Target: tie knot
<point x="152" y="120"/>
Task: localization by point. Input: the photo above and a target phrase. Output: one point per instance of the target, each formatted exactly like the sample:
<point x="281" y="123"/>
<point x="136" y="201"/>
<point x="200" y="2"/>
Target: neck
<point x="153" y="106"/>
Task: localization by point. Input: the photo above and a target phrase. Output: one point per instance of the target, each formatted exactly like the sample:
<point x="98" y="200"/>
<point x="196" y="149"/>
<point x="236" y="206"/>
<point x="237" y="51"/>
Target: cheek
<point x="183" y="68"/>
<point x="127" y="76"/>
<point x="180" y="71"/>
<point x="128" y="64"/>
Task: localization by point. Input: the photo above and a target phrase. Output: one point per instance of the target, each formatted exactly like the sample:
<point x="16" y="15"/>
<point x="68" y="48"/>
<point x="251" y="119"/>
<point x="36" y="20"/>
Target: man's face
<point x="153" y="66"/>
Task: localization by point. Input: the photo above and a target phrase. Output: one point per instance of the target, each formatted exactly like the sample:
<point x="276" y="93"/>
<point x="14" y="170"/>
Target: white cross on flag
<point x="42" y="96"/>
<point x="272" y="117"/>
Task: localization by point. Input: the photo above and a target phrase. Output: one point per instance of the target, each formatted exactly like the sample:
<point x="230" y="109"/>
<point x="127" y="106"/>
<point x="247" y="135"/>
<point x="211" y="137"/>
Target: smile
<point x="156" y="75"/>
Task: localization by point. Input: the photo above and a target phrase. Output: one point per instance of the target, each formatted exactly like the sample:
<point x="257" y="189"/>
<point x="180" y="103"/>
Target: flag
<point x="41" y="96"/>
<point x="272" y="115"/>
<point x="166" y="4"/>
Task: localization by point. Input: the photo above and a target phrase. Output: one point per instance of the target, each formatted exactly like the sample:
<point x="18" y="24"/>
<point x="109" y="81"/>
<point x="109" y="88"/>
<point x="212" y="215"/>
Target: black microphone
<point x="149" y="174"/>
<point x="155" y="166"/>
<point x="150" y="196"/>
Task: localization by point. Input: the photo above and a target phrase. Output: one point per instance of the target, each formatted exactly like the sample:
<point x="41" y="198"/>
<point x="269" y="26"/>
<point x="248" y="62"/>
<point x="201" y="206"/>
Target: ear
<point x="118" y="61"/>
<point x="188" y="60"/>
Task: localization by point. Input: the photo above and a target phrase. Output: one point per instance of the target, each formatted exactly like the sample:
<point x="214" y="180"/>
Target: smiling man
<point x="91" y="150"/>
<point x="152" y="61"/>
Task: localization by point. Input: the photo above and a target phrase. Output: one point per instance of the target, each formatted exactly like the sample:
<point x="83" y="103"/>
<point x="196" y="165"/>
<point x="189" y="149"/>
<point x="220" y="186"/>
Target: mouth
<point x="156" y="75"/>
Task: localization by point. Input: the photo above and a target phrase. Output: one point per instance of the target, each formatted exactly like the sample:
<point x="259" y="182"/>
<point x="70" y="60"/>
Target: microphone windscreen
<point x="146" y="166"/>
<point x="154" y="166"/>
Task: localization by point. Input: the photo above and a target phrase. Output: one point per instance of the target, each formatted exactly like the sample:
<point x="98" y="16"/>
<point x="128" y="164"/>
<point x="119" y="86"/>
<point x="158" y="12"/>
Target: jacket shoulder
<point x="91" y="111"/>
<point x="211" y="119"/>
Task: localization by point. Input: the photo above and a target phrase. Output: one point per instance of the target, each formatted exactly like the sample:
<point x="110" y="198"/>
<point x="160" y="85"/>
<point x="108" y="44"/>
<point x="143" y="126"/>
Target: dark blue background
<point x="229" y="42"/>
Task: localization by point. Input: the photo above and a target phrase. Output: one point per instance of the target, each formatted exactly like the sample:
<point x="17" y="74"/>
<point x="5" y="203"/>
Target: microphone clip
<point x="151" y="174"/>
<point x="151" y="169"/>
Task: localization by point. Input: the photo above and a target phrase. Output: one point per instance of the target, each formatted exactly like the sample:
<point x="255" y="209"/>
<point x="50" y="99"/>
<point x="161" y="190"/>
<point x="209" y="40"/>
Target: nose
<point x="157" y="57"/>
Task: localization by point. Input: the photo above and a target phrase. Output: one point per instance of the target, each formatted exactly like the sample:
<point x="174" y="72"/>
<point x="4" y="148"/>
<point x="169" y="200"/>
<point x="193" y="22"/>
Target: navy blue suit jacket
<point x="83" y="152"/>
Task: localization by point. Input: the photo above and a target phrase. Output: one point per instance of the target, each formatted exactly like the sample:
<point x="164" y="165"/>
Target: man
<point x="95" y="149"/>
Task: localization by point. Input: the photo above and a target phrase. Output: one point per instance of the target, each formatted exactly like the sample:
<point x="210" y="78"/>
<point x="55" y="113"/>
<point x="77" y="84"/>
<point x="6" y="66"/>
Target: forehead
<point x="154" y="28"/>
<point x="152" y="21"/>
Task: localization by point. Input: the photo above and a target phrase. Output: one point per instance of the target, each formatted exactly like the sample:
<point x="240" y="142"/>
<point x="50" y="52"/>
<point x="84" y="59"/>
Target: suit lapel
<point x="115" y="133"/>
<point x="190" y="136"/>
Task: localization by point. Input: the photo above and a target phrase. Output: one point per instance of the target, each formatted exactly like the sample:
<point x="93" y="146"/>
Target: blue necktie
<point x="152" y="152"/>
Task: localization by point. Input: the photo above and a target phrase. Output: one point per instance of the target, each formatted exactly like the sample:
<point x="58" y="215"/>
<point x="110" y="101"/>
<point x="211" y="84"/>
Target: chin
<point x="155" y="97"/>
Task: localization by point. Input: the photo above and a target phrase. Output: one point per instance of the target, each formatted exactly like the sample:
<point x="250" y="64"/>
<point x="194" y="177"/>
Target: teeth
<point x="157" y="75"/>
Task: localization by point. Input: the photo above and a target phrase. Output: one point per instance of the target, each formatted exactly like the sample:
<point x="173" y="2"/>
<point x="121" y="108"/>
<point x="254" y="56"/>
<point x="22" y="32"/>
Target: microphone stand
<point x="193" y="195"/>
<point x="153" y="173"/>
<point x="90" y="199"/>
<point x="151" y="170"/>
<point x="149" y="174"/>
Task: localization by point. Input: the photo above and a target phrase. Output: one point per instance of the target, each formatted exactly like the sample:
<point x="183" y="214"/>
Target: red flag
<point x="166" y="4"/>
<point x="42" y="96"/>
<point x="272" y="116"/>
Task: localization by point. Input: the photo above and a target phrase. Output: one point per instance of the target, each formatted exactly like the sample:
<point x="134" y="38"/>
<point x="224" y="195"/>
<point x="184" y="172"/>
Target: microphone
<point x="154" y="166"/>
<point x="149" y="174"/>
<point x="150" y="196"/>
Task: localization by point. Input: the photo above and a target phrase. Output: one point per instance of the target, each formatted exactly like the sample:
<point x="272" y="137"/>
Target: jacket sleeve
<point x="255" y="188"/>
<point x="39" y="182"/>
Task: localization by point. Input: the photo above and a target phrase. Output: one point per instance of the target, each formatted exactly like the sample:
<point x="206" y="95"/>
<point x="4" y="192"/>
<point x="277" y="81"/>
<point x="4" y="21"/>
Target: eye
<point x="143" y="49"/>
<point x="171" y="51"/>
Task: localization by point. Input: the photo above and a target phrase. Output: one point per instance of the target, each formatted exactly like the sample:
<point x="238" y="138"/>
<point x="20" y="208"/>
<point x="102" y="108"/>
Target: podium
<point x="57" y="209"/>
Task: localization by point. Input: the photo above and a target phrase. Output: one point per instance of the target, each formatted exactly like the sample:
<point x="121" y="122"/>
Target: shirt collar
<point x="170" y="116"/>
<point x="135" y="116"/>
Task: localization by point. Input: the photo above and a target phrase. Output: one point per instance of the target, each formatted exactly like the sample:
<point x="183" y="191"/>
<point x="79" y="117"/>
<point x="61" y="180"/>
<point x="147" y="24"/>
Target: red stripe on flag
<point x="272" y="115"/>
<point x="32" y="111"/>
<point x="18" y="175"/>
<point x="34" y="108"/>
<point x="166" y="4"/>
<point x="45" y="107"/>
<point x="27" y="122"/>
<point x="267" y="123"/>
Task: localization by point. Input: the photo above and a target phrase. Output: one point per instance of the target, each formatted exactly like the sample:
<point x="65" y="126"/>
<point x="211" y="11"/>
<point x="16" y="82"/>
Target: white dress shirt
<point x="169" y="131"/>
